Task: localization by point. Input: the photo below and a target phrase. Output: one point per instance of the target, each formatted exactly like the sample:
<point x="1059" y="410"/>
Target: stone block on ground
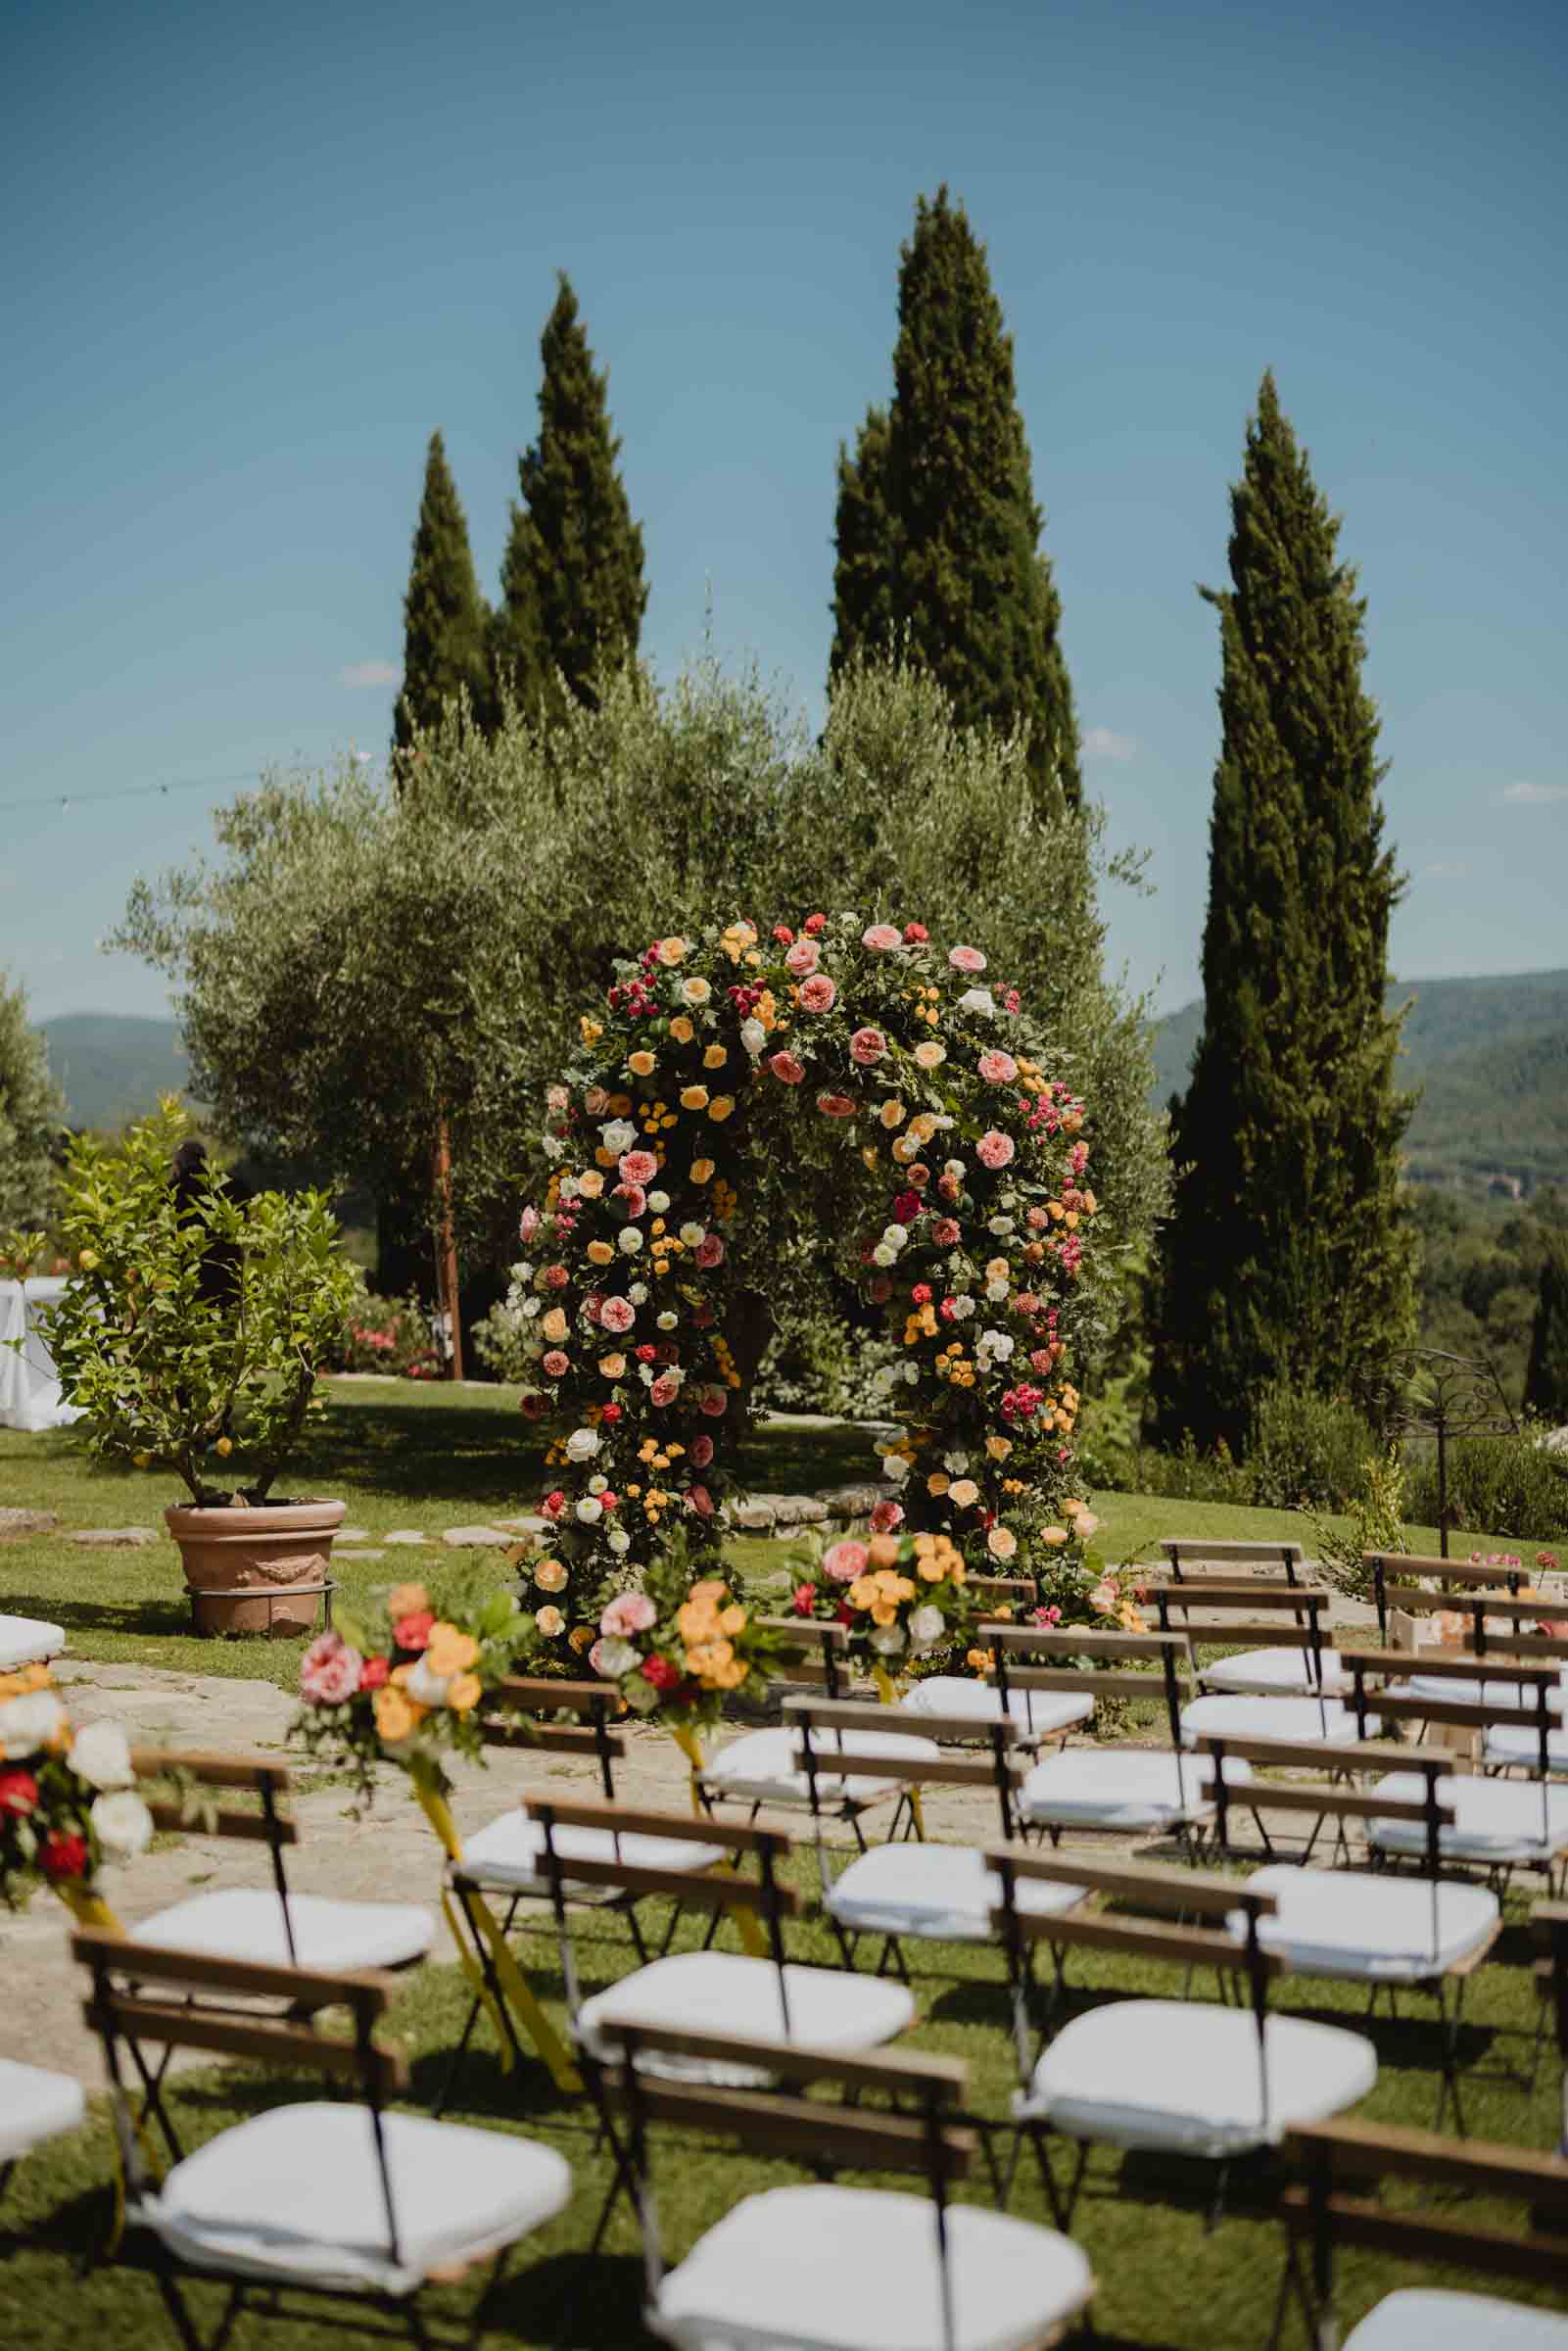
<point x="753" y="1517"/>
<point x="794" y="1509"/>
<point x="857" y="1501"/>
<point x="353" y="1534"/>
<point x="476" y="1538"/>
<point x="409" y="1535"/>
<point x="15" y="1525"/>
<point x="530" y="1523"/>
<point x="113" y="1538"/>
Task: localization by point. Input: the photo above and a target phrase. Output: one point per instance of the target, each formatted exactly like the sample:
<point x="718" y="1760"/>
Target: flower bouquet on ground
<point x="67" y="1800"/>
<point x="404" y="1683"/>
<point x="900" y="1598"/>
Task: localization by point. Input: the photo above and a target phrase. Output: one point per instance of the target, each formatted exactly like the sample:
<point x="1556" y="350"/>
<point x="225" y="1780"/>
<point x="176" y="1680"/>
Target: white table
<point x="29" y="1391"/>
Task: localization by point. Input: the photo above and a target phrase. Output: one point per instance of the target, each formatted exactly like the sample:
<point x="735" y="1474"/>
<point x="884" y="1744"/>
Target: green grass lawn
<point x="402" y="1455"/>
<point x="1166" y="2282"/>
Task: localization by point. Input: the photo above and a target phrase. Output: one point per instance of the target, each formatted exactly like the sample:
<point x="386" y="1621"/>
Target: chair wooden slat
<point x="869" y="1714"/>
<point x="1153" y="1882"/>
<point x="551" y="1696"/>
<point x="1325" y="1754"/>
<point x="262" y="2040"/>
<point x="1449" y="1571"/>
<point x="1452" y="1667"/>
<point x="1468" y="1713"/>
<point x="807" y="2127"/>
<point x="913" y="1771"/>
<point x="555" y="1738"/>
<point x="942" y="2078"/>
<point x="1086" y="1685"/>
<point x="1139" y="1939"/>
<point x="218" y="1771"/>
<point x="1413" y="2237"/>
<point x="596" y="1812"/>
<point x="1416" y="1600"/>
<point x="702" y="1890"/>
<point x="1340" y="1804"/>
<point x="1380" y="2150"/>
<point x="1079" y="1642"/>
<point x="252" y="1827"/>
<point x="203" y="1971"/>
<point x="1287" y="1598"/>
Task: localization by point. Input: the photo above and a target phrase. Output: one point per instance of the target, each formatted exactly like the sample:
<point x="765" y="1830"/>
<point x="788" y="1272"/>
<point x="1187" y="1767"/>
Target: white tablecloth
<point x="30" y="1392"/>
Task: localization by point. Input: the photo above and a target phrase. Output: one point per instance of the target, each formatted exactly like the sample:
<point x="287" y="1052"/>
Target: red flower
<point x="814" y="925"/>
<point x="914" y="932"/>
<point x="373" y="1672"/>
<point x="18" y="1793"/>
<point x="610" y="1414"/>
<point x="660" y="1672"/>
<point x="64" y="1857"/>
<point x="920" y="1294"/>
<point x="414" y="1632"/>
<point x="805" y="1599"/>
<point x="906" y="1208"/>
<point x="784" y="934"/>
<point x="609" y="1500"/>
<point x="647" y="1354"/>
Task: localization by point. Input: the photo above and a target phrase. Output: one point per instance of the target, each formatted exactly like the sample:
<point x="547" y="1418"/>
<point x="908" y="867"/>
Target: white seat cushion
<point x="1121" y="1788"/>
<point x="760" y="1766"/>
<point x="28" y="1641"/>
<point x="722" y="1991"/>
<point x="1477" y="1691"/>
<point x="1293" y="1718"/>
<point x="1038" y="1714"/>
<point x="243" y="1922"/>
<point x="36" y="2106"/>
<point x="1494" y="1820"/>
<point x="942" y="1891"/>
<point x="1342" y="1922"/>
<point x="1426" y="2318"/>
<point x="1184" y="2075"/>
<point x="297" y="2194"/>
<point x="1517" y="1745"/>
<point x="506" y="1855"/>
<point x="1274" y="1672"/>
<point x="857" y="2268"/>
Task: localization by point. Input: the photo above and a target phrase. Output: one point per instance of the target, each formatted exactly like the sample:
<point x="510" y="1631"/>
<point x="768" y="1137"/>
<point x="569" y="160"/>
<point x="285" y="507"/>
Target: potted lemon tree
<point x="189" y="1336"/>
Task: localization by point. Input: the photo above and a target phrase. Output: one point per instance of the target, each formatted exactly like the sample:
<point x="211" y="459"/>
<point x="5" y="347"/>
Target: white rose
<point x="997" y="1343"/>
<point x="29" y="1723"/>
<point x="955" y="1170"/>
<point x="618" y="1137"/>
<point x="522" y="1273"/>
<point x="639" y="1293"/>
<point x="669" y="1322"/>
<point x="911" y="1374"/>
<point x="963" y="1309"/>
<point x="753" y="1037"/>
<point x="597" y="1484"/>
<point x="894" y="1468"/>
<point x="531" y="1307"/>
<point x="996" y="1292"/>
<point x="630" y="1240"/>
<point x="691" y="1234"/>
<point x="659" y="1202"/>
<point x="926" y="1626"/>
<point x="121" y="1822"/>
<point x="100" y="1756"/>
<point x="976" y="999"/>
<point x="590" y="1511"/>
<point x="425" y="1688"/>
<point x="954" y="1463"/>
<point x="888" y="1639"/>
<point x="614" y="1657"/>
<point x="1000" y="1226"/>
<point x="620" y="1542"/>
<point x="881" y="1255"/>
<point x="895" y="1236"/>
<point x="553" y="1147"/>
<point x="582" y="1445"/>
<point x="962" y="1492"/>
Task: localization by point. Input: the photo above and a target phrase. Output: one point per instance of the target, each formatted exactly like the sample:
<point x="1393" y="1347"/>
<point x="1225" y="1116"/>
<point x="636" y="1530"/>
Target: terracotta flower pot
<point x="231" y="1554"/>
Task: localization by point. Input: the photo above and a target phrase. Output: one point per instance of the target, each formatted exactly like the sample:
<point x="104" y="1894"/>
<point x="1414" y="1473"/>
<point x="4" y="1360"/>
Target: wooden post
<point x="447" y="1248"/>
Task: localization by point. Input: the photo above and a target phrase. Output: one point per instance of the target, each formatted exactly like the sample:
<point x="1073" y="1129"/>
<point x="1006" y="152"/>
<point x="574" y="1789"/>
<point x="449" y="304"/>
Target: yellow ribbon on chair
<point x="746" y="1918"/>
<point x="509" y="1976"/>
<point x="88" y="1909"/>
<point x="888" y="1695"/>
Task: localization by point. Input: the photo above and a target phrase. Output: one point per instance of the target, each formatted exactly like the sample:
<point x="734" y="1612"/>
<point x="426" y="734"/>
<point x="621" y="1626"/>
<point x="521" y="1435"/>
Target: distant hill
<point x="113" y="1066"/>
<point x="1490" y="1056"/>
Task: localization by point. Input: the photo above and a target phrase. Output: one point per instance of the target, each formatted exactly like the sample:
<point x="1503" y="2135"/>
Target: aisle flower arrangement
<point x="739" y="1074"/>
<point x="405" y="1682"/>
<point x="67" y="1799"/>
<point x="676" y="1650"/>
<point x="900" y="1599"/>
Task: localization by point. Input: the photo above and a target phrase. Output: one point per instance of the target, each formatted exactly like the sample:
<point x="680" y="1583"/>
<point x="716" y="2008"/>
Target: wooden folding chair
<point x="1196" y="1559"/>
<point x="1337" y="2204"/>
<point x="1399" y="1581"/>
<point x="343" y="2201"/>
<point x="829" y="2265"/>
<point x="1180" y="2078"/>
<point x="1276" y="1652"/>
<point x="1427" y="1933"/>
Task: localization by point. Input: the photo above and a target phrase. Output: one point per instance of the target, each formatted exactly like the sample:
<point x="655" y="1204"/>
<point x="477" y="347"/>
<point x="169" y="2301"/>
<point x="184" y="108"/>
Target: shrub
<point x="1504" y="1485"/>
<point x="386" y="1335"/>
<point x="1307" y="1452"/>
<point x="1376" y="1523"/>
<point x="1188" y="1476"/>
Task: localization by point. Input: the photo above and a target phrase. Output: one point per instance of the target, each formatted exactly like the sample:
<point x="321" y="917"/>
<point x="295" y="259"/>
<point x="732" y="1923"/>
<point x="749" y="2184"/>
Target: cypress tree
<point x="1286" y="1256"/>
<point x="1547" y="1379"/>
<point x="572" y="586"/>
<point x="865" y="540"/>
<point x="961" y="575"/>
<point x="443" y="618"/>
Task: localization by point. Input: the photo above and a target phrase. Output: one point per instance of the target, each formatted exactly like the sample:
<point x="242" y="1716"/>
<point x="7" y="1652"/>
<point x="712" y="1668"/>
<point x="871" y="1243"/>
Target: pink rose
<point x="715" y="1402"/>
<point x="665" y="1389"/>
<point x="556" y="1277"/>
<point x="966" y="959"/>
<point x="946" y="1232"/>
<point x="632" y="1198"/>
<point x="882" y="937"/>
<point x="818" y="993"/>
<point x="330" y="1670"/>
<point x="843" y="1562"/>
<point x="701" y="1451"/>
<point x="557" y="1364"/>
<point x="709" y="1251"/>
<point x="596" y="1101"/>
<point x="638" y="1167"/>
<point x="633" y="1612"/>
<point x="527" y="1225"/>
<point x="786" y="1069"/>
<point x="995" y="1150"/>
<point x="699" y="1499"/>
<point x="618" y="1314"/>
<point x="1105" y="1596"/>
<point x="998" y="1069"/>
<point x="803" y="957"/>
<point x="885" y="1517"/>
<point x="1041" y="1360"/>
<point x="837" y="1106"/>
<point x="866" y="1045"/>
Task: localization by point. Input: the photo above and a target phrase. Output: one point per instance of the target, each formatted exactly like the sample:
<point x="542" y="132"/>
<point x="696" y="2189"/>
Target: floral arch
<point x="892" y="1094"/>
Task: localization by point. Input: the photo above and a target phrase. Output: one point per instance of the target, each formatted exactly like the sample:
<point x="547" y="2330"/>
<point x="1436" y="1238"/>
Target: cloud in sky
<point x="1534" y="795"/>
<point x="1103" y="742"/>
<point x="360" y="674"/>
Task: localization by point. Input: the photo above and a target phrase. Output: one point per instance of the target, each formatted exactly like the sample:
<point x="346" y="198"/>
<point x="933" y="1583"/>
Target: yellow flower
<point x="883" y="1612"/>
<point x="593" y="1030"/>
<point x="549" y="1622"/>
<point x="891" y="1114"/>
<point x="642" y="1063"/>
<point x="554" y="1325"/>
<point x="1053" y="1537"/>
<point x="702" y="1171"/>
<point x="580" y="1638"/>
<point x="695" y="991"/>
<point x="600" y="1253"/>
<point x="550" y="1575"/>
<point x="407" y="1599"/>
<point x="938" y="1482"/>
<point x="999" y="1448"/>
<point x="591" y="1183"/>
<point x="682" y="1029"/>
<point x="930" y="1571"/>
<point x="671" y="950"/>
<point x="929" y="1054"/>
<point x="981" y="1660"/>
<point x="720" y="1108"/>
<point x="450" y="1651"/>
<point x="715" y="1058"/>
<point x="862" y="1593"/>
<point x="394" y="1714"/>
<point x="732" y="1619"/>
<point x="694" y="1098"/>
<point x="882" y="1550"/>
<point x="464" y="1692"/>
<point x="1001" y="1543"/>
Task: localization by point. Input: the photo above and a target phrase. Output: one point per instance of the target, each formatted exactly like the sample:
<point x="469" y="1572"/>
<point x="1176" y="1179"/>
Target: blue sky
<point x="254" y="257"/>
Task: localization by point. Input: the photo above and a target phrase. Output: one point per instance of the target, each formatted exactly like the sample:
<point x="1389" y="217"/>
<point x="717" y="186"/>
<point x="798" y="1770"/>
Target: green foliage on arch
<point x="891" y="1097"/>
